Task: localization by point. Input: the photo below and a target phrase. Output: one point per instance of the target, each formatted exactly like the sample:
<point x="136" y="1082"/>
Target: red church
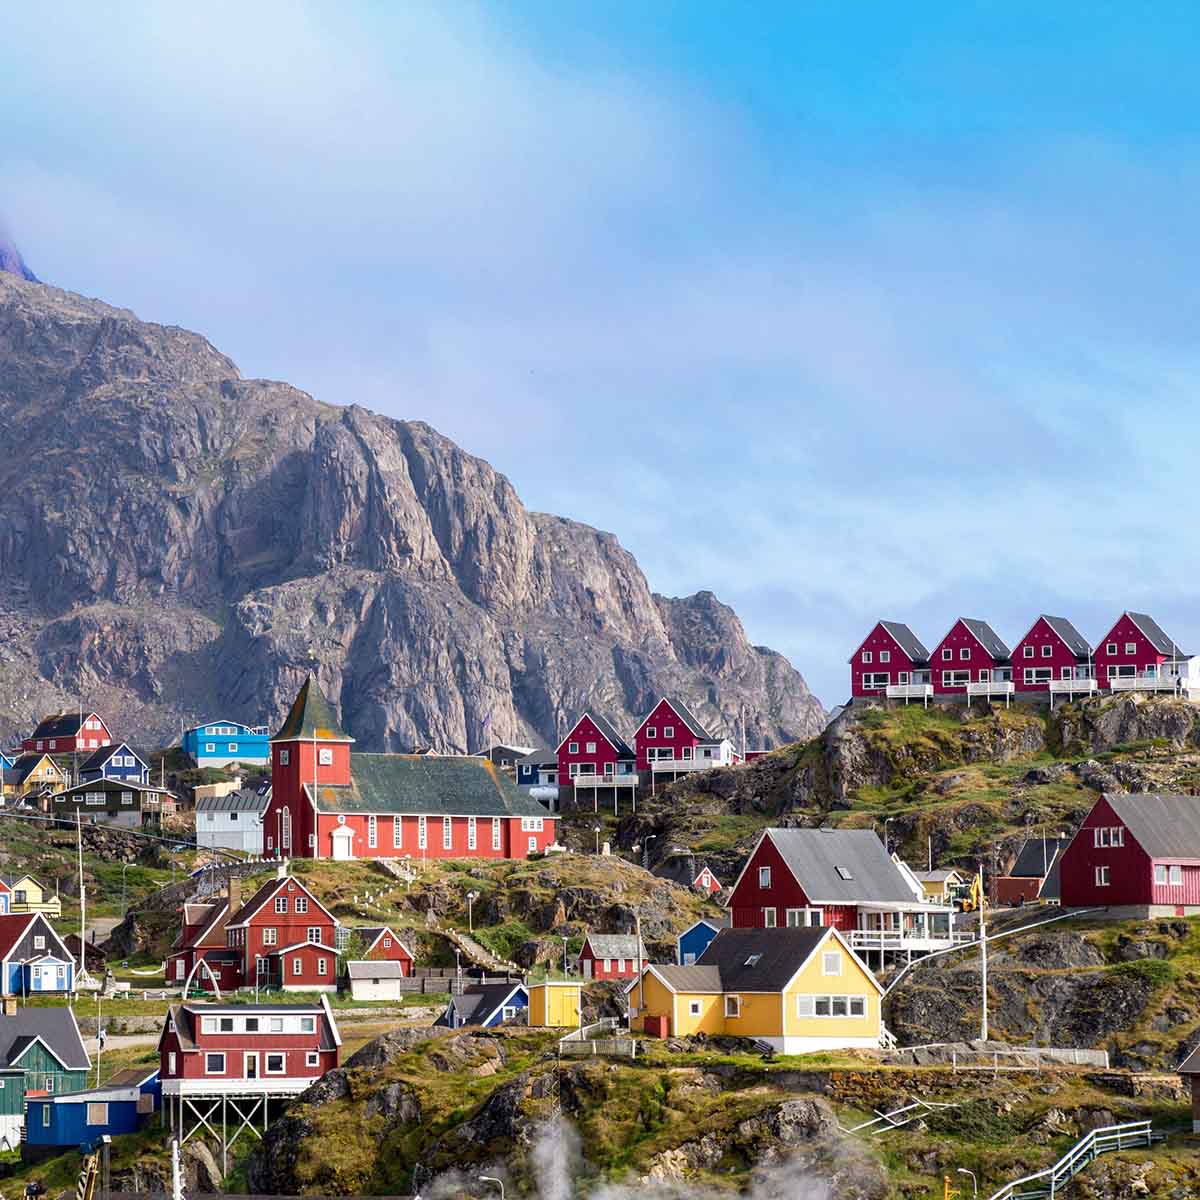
<point x="327" y="802"/>
<point x="1137" y="855"/>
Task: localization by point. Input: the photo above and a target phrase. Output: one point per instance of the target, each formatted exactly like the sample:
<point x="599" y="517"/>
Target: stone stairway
<point x="479" y="955"/>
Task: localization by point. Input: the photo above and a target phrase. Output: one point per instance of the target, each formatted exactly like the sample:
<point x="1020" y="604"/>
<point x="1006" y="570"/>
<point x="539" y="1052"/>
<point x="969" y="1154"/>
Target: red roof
<point x="267" y="892"/>
<point x="12" y="928"/>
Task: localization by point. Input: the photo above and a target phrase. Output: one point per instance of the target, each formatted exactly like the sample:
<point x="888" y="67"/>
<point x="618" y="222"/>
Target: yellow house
<point x="31" y="772"/>
<point x="939" y="885"/>
<point x="28" y="896"/>
<point x="798" y="989"/>
<point x="555" y="1005"/>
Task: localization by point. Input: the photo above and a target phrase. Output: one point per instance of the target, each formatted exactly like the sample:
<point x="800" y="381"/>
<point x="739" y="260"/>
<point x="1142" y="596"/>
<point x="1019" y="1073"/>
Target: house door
<point x="251" y="1066"/>
<point x="343" y="843"/>
<point x="587" y="968"/>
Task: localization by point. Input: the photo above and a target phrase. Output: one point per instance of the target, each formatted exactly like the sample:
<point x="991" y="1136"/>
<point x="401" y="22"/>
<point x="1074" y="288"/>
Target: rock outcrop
<point x="176" y="541"/>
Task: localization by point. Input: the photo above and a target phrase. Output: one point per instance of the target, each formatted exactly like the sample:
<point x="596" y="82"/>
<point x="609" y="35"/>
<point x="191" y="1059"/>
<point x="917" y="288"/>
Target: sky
<point x="841" y="312"/>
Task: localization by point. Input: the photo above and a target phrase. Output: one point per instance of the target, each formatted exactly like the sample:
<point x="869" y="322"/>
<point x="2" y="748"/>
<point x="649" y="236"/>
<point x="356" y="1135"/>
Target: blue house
<point x="218" y="743"/>
<point x="487" y="1004"/>
<point x="693" y="941"/>
<point x="123" y="1105"/>
<point x="6" y="761"/>
<point x="115" y="762"/>
<point x="33" y="958"/>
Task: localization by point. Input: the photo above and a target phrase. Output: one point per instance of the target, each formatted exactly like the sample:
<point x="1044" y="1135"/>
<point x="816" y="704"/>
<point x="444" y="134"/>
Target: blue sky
<point x="840" y="312"/>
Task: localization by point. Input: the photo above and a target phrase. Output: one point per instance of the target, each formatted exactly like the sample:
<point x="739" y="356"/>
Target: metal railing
<point x="1147" y="681"/>
<point x="896" y="939"/>
<point x="909" y="691"/>
<point x="629" y="780"/>
<point x="991" y="687"/>
<point x="1100" y="1141"/>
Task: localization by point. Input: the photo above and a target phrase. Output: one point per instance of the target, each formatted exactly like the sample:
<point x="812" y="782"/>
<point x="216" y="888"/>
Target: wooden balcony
<point x="910" y="691"/>
<point x="1147" y="681"/>
<point x="987" y="688"/>
<point x="605" y="781"/>
<point x="672" y="766"/>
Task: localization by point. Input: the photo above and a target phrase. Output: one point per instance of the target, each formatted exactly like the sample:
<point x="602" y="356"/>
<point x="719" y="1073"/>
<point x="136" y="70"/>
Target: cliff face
<point x="177" y="542"/>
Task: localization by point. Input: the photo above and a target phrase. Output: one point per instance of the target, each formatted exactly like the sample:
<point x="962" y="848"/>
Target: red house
<point x="684" y="870"/>
<point x="1136" y="654"/>
<point x="1137" y="855"/>
<point x="202" y="936"/>
<point x="611" y="956"/>
<point x="970" y="653"/>
<point x="1052" y="650"/>
<point x="595" y="755"/>
<point x="839" y="877"/>
<point x="383" y="945"/>
<point x="64" y="733"/>
<point x="670" y="736"/>
<point x="890" y="655"/>
<point x="329" y="803"/>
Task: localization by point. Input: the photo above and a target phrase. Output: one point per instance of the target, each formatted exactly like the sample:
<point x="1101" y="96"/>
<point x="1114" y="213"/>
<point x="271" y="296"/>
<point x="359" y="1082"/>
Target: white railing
<point x="683" y="764"/>
<point x="1073" y="686"/>
<point x="605" y="780"/>
<point x="1148" y="681"/>
<point x="1099" y="1141"/>
<point x="991" y="687"/>
<point x="909" y="691"/>
<point x="896" y="939"/>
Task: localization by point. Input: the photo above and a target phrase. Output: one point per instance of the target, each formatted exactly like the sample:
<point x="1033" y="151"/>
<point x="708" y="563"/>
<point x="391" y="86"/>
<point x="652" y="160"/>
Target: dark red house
<point x="671" y="733"/>
<point x="687" y="871"/>
<point x="595" y="753"/>
<point x="839" y="877"/>
<point x="382" y="944"/>
<point x="329" y="803"/>
<point x="1137" y="855"/>
<point x="1053" y="649"/>
<point x="971" y="652"/>
<point x="890" y="654"/>
<point x="202" y="936"/>
<point x="611" y="956"/>
<point x="64" y="733"/>
<point x="1136" y="646"/>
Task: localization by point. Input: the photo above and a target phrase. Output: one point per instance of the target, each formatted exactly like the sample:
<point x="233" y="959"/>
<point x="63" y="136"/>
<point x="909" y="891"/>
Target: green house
<point x="41" y="1050"/>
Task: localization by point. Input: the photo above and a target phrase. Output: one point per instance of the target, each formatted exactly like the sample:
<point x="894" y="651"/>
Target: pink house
<point x="890" y="654"/>
<point x="971" y="652"/>
<point x="594" y="755"/>
<point x="1053" y="649"/>
<point x="671" y="734"/>
<point x="1136" y="648"/>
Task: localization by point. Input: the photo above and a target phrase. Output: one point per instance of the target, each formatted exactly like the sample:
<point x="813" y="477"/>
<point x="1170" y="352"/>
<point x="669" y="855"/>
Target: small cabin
<point x="555" y="1005"/>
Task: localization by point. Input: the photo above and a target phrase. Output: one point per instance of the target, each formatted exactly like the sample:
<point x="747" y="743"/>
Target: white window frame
<point x="768" y="918"/>
<point x="1047" y="650"/>
<point x="495" y="833"/>
<point x="1131" y="647"/>
<point x="281" y="904"/>
<point x="831" y="962"/>
<point x="324" y="756"/>
<point x="668" y="731"/>
<point x="313" y="935"/>
<point x="590" y="748"/>
<point x="1175" y="875"/>
<point x="885" y="656"/>
<point x="1110" y="648"/>
<point x="447" y="833"/>
<point x="1027" y="651"/>
<point x="171" y="1061"/>
<point x="694" y="1007"/>
<point x="297" y="965"/>
<point x="301" y="905"/>
<point x="397" y="833"/>
<point x="964" y="654"/>
<point x="875" y="680"/>
<point x="1102" y="876"/>
<point x="422" y="833"/>
<point x="312" y="1058"/>
<point x="279" y="1054"/>
<point x="1160" y="875"/>
<point x="764" y="878"/>
<point x="572" y="747"/>
<point x="733" y="1006"/>
<point x="209" y="1055"/>
<point x="270" y="936"/>
<point x="372" y="831"/>
<point x="868" y="657"/>
<point x="472" y="835"/>
<point x="284" y="758"/>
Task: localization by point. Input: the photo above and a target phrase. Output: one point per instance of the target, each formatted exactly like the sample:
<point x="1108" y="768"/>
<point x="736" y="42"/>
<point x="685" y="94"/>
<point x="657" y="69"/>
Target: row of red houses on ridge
<point x="1051" y="658"/>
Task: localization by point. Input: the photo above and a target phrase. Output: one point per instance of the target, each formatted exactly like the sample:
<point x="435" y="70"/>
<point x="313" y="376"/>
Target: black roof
<point x="60" y="725"/>
<point x="1075" y="641"/>
<point x="98" y="758"/>
<point x="907" y="641"/>
<point x="1165" y="826"/>
<point x="1158" y="637"/>
<point x="987" y="637"/>
<point x="680" y="868"/>
<point x="1036" y="854"/>
<point x="538" y="758"/>
<point x="55" y="1026"/>
<point x="760" y="960"/>
<point x="476" y="1005"/>
<point x="689" y="719"/>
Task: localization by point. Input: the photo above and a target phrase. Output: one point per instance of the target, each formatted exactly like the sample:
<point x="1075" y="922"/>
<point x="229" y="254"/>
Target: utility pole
<point x="637" y="933"/>
<point x="983" y="1024"/>
<point x="82" y="900"/>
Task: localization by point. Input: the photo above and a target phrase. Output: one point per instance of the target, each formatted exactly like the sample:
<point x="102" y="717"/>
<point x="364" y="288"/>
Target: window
<point x="651" y="733"/>
<point x="270" y="937"/>
<point x="308" y="1024"/>
<point x="1104" y="836"/>
<point x="233" y="747"/>
<point x="312" y="1059"/>
<point x="281" y="904"/>
<point x="97" y="1114"/>
<point x="276" y="1025"/>
<point x="1047" y="650"/>
<point x="372" y="831"/>
<point x="831" y="962"/>
<point x="214" y="1064"/>
<point x="301" y="904"/>
<point x="572" y="747"/>
<point x="284" y="758"/>
<point x="964" y="653"/>
<point x="901" y="676"/>
<point x="956" y="679"/>
<point x="211" y="748"/>
<point x="694" y="1008"/>
<point x="591" y="748"/>
<point x="208" y="1025"/>
<point x="1067" y="672"/>
<point x="858" y="1006"/>
<point x="875" y="680"/>
<point x="171" y="1063"/>
<point x="885" y="656"/>
<point x="867" y="656"/>
<point x="314" y="935"/>
<point x="1131" y="647"/>
<point x="1038" y="674"/>
<point x="1027" y="651"/>
<point x="276" y="1064"/>
<point x="985" y="675"/>
<point x="531" y="824"/>
<point x="397" y="833"/>
<point x="768" y="918"/>
<point x="844" y="873"/>
<point x="297" y="966"/>
<point x="1102" y="877"/>
<point x="325" y="756"/>
<point x="322" y="963"/>
<point x="947" y="655"/>
<point x="472" y="840"/>
<point x="1110" y="648"/>
<point x="39" y="942"/>
<point x="447" y="833"/>
<point x="45" y="1114"/>
<point x="422" y="833"/>
<point x="495" y="833"/>
<point x="607" y="965"/>
<point x="764" y="877"/>
<point x="804" y="1006"/>
<point x="93" y="798"/>
<point x="668" y="731"/>
<point x="1176" y="873"/>
<point x="251" y="1024"/>
<point x="733" y="1006"/>
<point x="1160" y="874"/>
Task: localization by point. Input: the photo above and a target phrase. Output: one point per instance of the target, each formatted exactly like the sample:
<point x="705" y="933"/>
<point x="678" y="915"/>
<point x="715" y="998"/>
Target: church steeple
<point x="311" y="718"/>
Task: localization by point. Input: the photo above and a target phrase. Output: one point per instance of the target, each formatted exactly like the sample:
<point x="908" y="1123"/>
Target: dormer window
<point x="843" y="872"/>
<point x="753" y="960"/>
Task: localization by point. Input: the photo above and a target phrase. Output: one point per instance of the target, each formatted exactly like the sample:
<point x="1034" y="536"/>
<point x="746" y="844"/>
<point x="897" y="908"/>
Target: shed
<point x="555" y="1005"/>
<point x="123" y="1105"/>
<point x="375" y="979"/>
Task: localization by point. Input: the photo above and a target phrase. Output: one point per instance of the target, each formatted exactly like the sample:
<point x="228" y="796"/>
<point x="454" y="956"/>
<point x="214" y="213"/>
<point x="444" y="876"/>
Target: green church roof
<point x="311" y="718"/>
<point x="433" y="786"/>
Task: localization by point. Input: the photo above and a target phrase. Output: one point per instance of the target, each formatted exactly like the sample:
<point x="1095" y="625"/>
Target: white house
<point x="375" y="979"/>
<point x="233" y="821"/>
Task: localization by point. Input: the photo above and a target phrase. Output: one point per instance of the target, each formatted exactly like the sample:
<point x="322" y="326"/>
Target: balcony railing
<point x="1147" y="681"/>
<point x="910" y="691"/>
<point x="605" y="780"/>
<point x="1073" y="687"/>
<point x="991" y="687"/>
<point x="674" y="765"/>
<point x="896" y="939"/>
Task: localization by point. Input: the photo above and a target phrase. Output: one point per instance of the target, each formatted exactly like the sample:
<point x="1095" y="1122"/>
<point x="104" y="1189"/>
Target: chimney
<point x="235" y="893"/>
<point x="10" y="1006"/>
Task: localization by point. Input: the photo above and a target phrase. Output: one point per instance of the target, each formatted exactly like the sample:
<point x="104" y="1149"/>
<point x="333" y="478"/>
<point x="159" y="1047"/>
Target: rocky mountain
<point x="177" y="542"/>
<point x="11" y="262"/>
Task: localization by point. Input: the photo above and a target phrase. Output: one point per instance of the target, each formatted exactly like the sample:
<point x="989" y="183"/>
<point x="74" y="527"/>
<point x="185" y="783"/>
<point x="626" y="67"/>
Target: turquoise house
<point x="219" y="743"/>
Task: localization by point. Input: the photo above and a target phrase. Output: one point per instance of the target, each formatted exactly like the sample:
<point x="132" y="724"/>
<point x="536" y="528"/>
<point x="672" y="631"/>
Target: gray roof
<point x="939" y="875"/>
<point x="1076" y="642"/>
<point x="907" y="641"/>
<point x="1165" y="826"/>
<point x="380" y="968"/>
<point x="1037" y="856"/>
<point x="1191" y="1064"/>
<point x="538" y="758"/>
<point x="693" y="978"/>
<point x="1156" y="634"/>
<point x="760" y="960"/>
<point x="814" y="857"/>
<point x="615" y="945"/>
<point x="55" y="1026"/>
<point x="724" y="921"/>
<point x="987" y="637"/>
<point x="411" y="783"/>
<point x="606" y="727"/>
<point x="690" y="720"/>
<point x="243" y="800"/>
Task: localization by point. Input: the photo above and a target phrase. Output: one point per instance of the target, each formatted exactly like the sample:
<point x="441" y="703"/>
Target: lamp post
<point x="886" y="822"/>
<point x="471" y="898"/>
<point x="596" y="831"/>
<point x="124" y="868"/>
<point x="565" y="955"/>
<point x="492" y="1179"/>
<point x="646" y="849"/>
<point x="974" y="1181"/>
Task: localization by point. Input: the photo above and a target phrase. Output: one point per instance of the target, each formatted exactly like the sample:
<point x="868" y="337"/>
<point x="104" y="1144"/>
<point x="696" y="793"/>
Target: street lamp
<point x="124" y="868"/>
<point x="646" y="849"/>
<point x="471" y="898"/>
<point x="492" y="1179"/>
<point x="974" y="1181"/>
<point x="886" y="822"/>
<point x="596" y="831"/>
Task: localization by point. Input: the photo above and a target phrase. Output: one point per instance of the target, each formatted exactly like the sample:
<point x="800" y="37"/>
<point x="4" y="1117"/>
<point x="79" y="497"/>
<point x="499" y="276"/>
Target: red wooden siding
<point x="601" y="757"/>
<point x="1129" y="866"/>
<point x="1145" y="656"/>
<point x="661" y="718"/>
<point x="617" y="968"/>
<point x="1046" y="650"/>
<point x="879" y="641"/>
<point x="959" y="640"/>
